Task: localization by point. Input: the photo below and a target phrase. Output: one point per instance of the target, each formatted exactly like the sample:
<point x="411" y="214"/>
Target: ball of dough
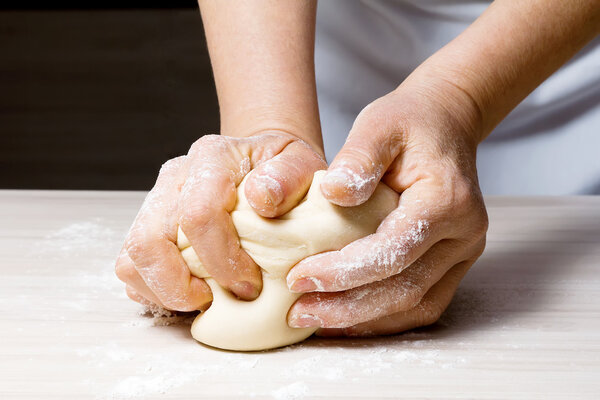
<point x="276" y="245"/>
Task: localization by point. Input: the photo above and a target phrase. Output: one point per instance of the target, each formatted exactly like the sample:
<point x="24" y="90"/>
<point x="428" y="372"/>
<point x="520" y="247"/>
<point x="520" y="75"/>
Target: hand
<point x="421" y="141"/>
<point x="197" y="192"/>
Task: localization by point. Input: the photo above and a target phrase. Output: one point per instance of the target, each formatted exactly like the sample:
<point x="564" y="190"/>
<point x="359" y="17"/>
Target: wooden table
<point x="525" y="322"/>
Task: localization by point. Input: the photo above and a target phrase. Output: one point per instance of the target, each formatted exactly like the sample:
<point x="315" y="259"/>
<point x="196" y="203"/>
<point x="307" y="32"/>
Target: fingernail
<point x="245" y="290"/>
<point x="272" y="188"/>
<point x="345" y="187"/>
<point x="338" y="176"/>
<point x="305" y="321"/>
<point x="304" y="285"/>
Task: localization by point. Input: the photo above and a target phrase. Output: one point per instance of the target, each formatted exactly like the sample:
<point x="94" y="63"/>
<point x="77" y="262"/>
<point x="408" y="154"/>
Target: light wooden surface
<point x="525" y="322"/>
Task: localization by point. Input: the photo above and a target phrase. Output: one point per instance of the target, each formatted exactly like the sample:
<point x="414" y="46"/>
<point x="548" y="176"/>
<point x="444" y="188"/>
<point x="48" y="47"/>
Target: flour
<point x="105" y="354"/>
<point x="159" y="376"/>
<point x="162" y="372"/>
<point x="154" y="355"/>
<point x="359" y="184"/>
<point x="294" y="391"/>
<point x="158" y="316"/>
<point x="379" y="255"/>
<point x="308" y="366"/>
<point x="317" y="282"/>
<point x="79" y="238"/>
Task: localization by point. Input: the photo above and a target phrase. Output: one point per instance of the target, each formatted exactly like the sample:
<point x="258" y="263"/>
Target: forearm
<point x="262" y="58"/>
<point x="507" y="52"/>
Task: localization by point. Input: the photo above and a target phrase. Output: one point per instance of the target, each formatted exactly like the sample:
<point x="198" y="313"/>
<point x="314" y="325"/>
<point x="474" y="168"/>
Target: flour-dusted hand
<point x="421" y="140"/>
<point x="197" y="192"/>
<point x="405" y="274"/>
<point x="267" y="103"/>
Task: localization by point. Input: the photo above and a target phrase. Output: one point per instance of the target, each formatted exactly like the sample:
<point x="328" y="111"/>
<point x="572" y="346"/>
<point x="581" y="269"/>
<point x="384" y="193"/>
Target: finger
<point x="402" y="237"/>
<point x="427" y="312"/>
<point x="138" y="298"/>
<point x="127" y="273"/>
<point x="152" y="249"/>
<point x="217" y="166"/>
<point x="208" y="226"/>
<point x="421" y="220"/>
<point x="277" y="185"/>
<point x="372" y="144"/>
<point x="400" y="292"/>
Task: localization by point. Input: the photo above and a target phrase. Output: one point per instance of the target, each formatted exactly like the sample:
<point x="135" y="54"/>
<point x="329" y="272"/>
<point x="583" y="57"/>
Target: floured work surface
<point x="525" y="322"/>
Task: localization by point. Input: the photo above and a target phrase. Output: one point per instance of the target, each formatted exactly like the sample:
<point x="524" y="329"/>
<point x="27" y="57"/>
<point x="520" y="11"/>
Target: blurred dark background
<point x="99" y="97"/>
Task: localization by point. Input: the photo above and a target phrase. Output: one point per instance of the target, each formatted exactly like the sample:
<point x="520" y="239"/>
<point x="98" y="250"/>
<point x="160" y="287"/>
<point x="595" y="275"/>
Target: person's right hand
<point x="197" y="192"/>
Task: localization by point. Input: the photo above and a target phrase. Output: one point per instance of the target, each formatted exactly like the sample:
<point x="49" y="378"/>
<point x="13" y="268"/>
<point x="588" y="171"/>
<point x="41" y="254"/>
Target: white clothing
<point x="549" y="145"/>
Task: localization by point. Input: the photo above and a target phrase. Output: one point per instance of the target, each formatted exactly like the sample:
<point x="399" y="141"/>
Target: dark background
<point x="99" y="97"/>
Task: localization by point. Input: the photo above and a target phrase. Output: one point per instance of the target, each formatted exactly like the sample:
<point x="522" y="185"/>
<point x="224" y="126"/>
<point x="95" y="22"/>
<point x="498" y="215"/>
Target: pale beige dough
<point x="276" y="245"/>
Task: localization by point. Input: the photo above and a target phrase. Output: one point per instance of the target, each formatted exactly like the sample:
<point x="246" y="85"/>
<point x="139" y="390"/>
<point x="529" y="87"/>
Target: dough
<point x="276" y="245"/>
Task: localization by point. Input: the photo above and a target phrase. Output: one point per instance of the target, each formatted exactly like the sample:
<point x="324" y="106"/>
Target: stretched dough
<point x="276" y="245"/>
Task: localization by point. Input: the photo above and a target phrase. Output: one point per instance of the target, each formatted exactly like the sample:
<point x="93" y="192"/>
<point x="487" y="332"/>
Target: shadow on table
<point x="514" y="278"/>
<point x="520" y="277"/>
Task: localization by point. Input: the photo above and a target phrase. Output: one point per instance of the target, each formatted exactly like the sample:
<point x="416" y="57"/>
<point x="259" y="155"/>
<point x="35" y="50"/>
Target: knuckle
<point x="391" y="132"/>
<point x="410" y="299"/>
<point x="209" y="139"/>
<point x="467" y="204"/>
<point x="430" y="313"/>
<point x="132" y="294"/>
<point x="140" y="246"/>
<point x="366" y="117"/>
<point x="196" y="217"/>
<point x="373" y="114"/>
<point x="408" y="293"/>
<point x="121" y="273"/>
<point x="170" y="165"/>
<point x="464" y="195"/>
<point x="357" y="156"/>
<point x="178" y="304"/>
<point x="305" y="154"/>
<point x="478" y="216"/>
<point x="483" y="222"/>
<point x="171" y="304"/>
<point x="480" y="247"/>
<point x="205" y="141"/>
<point x="125" y="272"/>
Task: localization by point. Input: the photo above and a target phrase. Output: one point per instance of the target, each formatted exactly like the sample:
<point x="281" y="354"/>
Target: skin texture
<point x="421" y="140"/>
<point x="431" y="239"/>
<point x="262" y="57"/>
<point x="269" y="123"/>
<point x="197" y="192"/>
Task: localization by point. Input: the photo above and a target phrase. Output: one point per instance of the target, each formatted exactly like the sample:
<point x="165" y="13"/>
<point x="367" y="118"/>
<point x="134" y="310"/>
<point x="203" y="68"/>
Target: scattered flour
<point x="162" y="372"/>
<point x="105" y="354"/>
<point x="124" y="367"/>
<point x="160" y="376"/>
<point x="80" y="238"/>
<point x="295" y="391"/>
<point x="309" y="366"/>
<point x="360" y="183"/>
<point x="159" y="316"/>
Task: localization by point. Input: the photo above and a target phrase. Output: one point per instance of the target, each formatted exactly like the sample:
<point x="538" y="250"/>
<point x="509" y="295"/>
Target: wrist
<point x="446" y="104"/>
<point x="305" y="129"/>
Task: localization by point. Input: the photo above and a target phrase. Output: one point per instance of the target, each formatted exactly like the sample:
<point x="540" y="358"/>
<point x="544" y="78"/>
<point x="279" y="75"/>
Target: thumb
<point x="277" y="185"/>
<point x="371" y="147"/>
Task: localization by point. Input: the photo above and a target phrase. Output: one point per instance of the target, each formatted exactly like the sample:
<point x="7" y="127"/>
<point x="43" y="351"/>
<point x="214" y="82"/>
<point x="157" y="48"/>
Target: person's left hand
<point x="422" y="143"/>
